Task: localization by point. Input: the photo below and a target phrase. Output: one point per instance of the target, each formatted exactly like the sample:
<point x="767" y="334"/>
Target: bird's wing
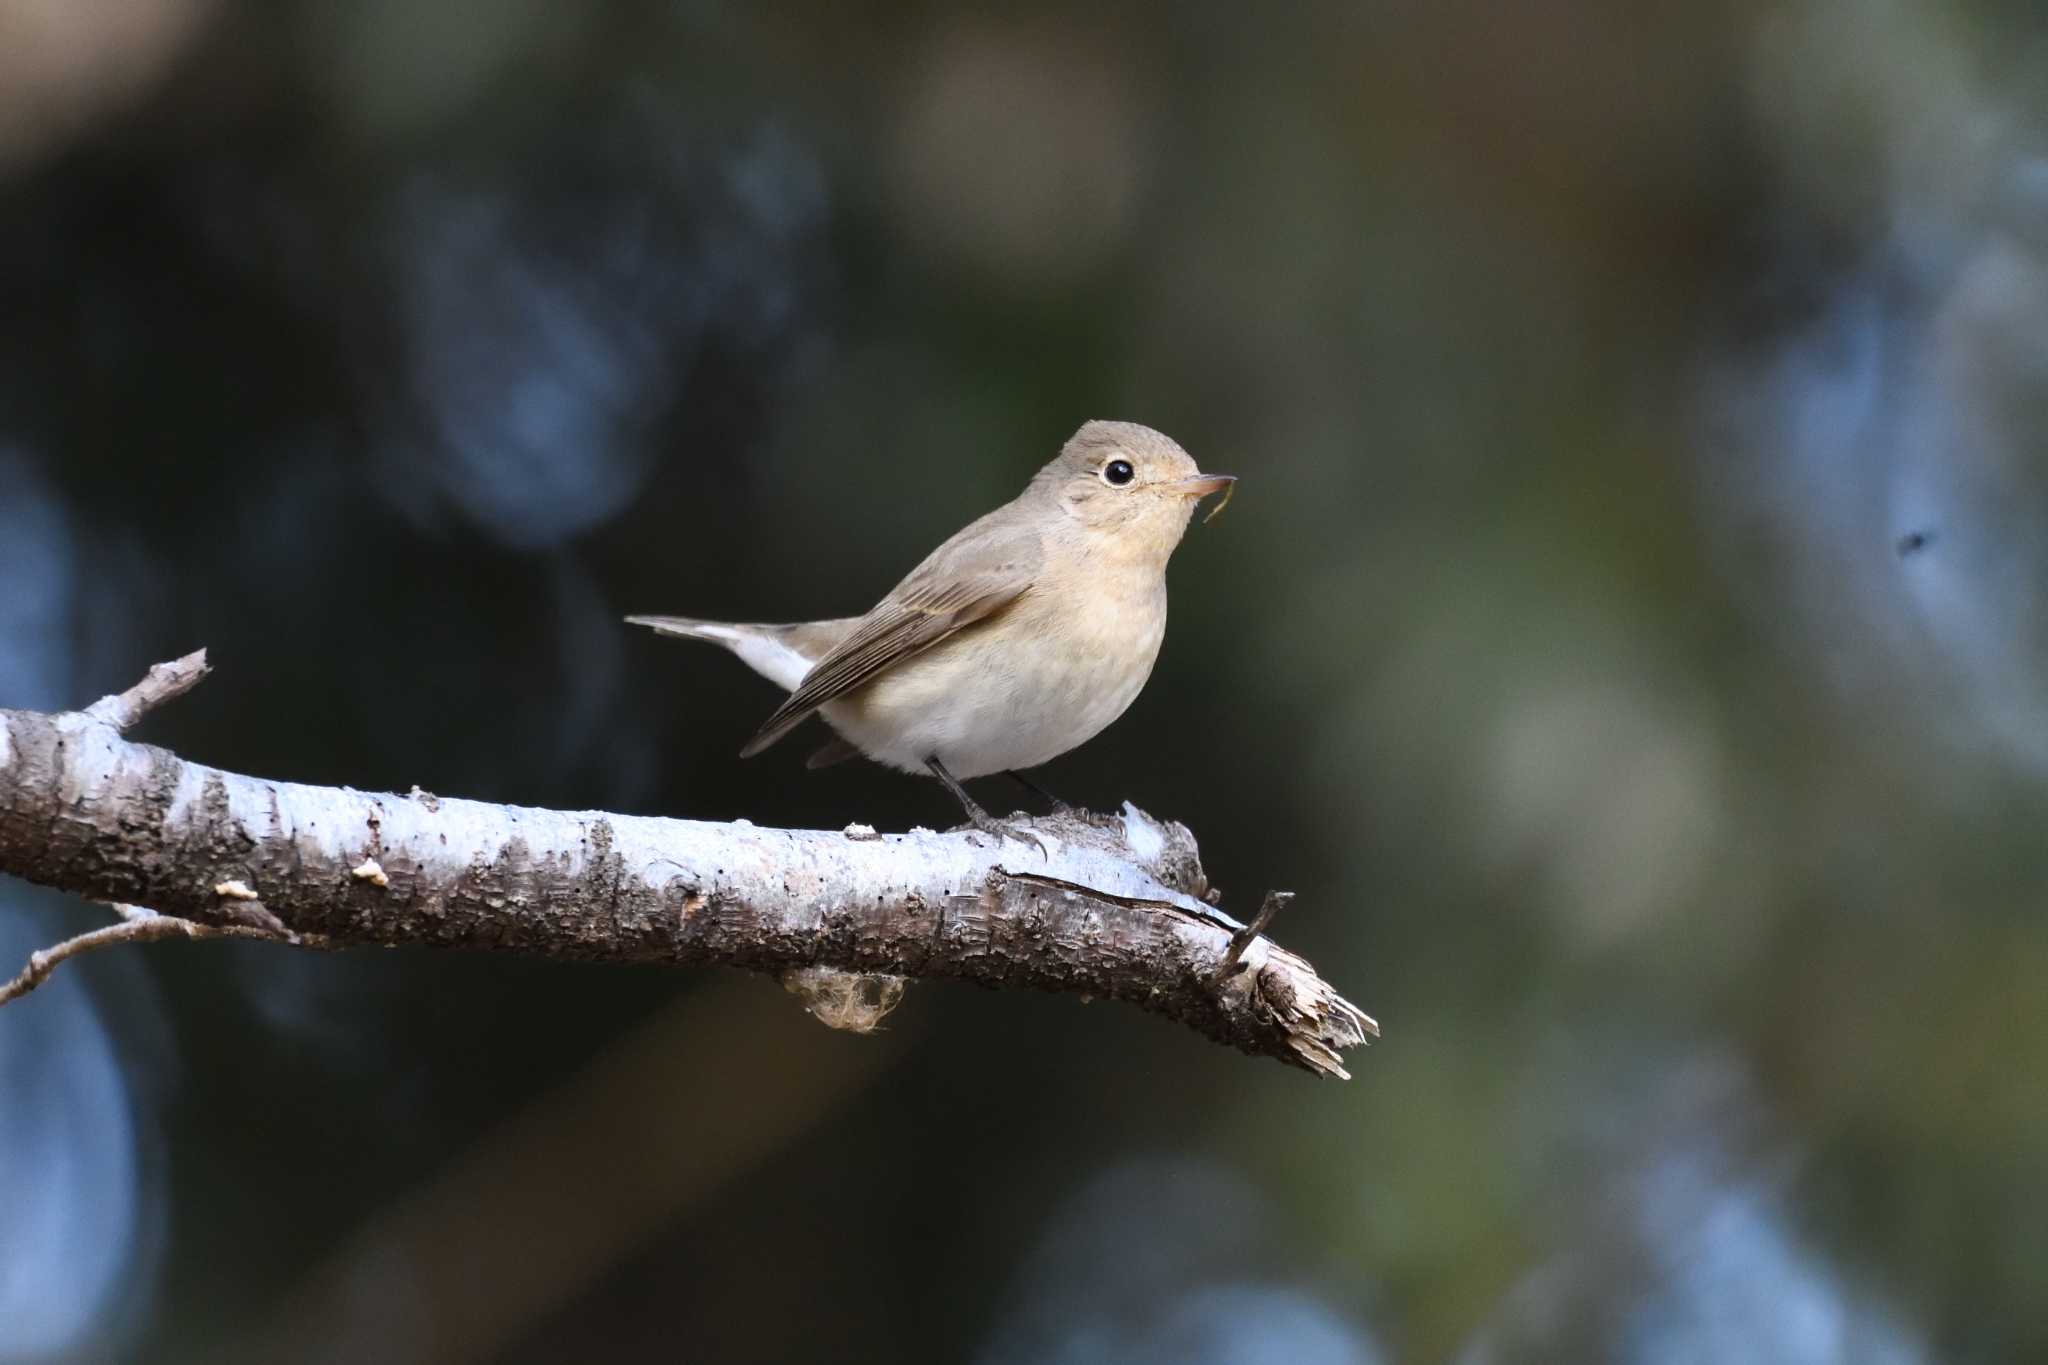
<point x="971" y="577"/>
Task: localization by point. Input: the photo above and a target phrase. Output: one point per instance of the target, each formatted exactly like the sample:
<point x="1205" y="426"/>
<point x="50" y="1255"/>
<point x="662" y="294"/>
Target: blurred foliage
<point x="1629" y="642"/>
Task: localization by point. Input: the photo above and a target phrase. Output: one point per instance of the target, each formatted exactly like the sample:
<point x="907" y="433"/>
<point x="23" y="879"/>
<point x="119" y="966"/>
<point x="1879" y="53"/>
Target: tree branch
<point x="1116" y="907"/>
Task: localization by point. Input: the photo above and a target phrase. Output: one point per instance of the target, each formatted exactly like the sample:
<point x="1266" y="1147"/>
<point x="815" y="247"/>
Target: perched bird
<point x="1018" y="639"/>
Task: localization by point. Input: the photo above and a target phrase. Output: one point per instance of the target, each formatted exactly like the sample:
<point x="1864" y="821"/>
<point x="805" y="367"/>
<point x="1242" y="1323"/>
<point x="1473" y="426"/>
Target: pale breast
<point x="1015" y="691"/>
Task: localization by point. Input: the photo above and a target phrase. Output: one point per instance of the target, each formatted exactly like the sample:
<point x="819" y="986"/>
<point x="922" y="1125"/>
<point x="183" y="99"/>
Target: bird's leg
<point x="1059" y="807"/>
<point x="978" y="817"/>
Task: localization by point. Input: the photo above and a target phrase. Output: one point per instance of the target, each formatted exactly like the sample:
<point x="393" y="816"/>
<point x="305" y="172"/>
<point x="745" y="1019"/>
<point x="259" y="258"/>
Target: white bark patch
<point x="1146" y="839"/>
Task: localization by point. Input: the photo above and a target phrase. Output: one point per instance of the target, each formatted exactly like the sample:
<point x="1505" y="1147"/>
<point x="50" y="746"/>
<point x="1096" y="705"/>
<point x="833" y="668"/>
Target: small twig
<point x="1217" y="917"/>
<point x="1273" y="904"/>
<point x="164" y="682"/>
<point x="137" y="926"/>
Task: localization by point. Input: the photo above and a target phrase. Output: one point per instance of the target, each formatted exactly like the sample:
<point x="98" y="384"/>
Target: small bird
<point x="1018" y="639"/>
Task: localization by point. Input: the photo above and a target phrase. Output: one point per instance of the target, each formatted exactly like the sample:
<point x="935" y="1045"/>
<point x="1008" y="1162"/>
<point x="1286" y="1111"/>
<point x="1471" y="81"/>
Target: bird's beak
<point x="1202" y="485"/>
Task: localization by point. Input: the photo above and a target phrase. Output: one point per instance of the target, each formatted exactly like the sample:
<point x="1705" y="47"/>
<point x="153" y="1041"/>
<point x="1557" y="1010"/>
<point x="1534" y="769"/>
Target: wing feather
<point x="971" y="577"/>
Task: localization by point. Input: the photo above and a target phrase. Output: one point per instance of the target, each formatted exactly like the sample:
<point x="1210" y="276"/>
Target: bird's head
<point x="1130" y="485"/>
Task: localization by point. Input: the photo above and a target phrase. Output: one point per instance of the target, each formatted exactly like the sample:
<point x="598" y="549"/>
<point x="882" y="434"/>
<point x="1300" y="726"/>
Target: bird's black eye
<point x="1117" y="473"/>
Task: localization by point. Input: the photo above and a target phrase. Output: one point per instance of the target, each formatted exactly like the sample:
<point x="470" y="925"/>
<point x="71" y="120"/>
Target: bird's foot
<point x="980" y="818"/>
<point x="1002" y="829"/>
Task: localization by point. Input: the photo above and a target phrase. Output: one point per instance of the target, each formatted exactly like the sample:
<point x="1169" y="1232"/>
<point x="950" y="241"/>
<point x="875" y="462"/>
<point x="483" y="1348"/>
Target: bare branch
<point x="1115" y="908"/>
<point x="164" y="682"/>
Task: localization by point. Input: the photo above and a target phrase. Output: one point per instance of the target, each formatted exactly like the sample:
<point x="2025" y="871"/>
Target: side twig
<point x="163" y="683"/>
<point x="1275" y="902"/>
<point x="147" y="927"/>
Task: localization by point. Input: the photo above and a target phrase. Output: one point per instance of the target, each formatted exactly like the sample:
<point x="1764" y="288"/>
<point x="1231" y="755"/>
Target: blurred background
<point x="1629" y="639"/>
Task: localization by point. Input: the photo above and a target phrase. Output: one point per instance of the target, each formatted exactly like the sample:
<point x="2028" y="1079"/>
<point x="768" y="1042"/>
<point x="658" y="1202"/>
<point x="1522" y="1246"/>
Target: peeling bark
<point x="1114" y="909"/>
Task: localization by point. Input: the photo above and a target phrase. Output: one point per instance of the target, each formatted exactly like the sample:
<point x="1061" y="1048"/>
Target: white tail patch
<point x="763" y="653"/>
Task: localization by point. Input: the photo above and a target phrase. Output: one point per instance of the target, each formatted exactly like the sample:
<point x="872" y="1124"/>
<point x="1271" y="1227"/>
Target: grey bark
<point x="1113" y="909"/>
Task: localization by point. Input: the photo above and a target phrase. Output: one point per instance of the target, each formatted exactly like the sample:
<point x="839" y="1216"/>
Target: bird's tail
<point x="768" y="650"/>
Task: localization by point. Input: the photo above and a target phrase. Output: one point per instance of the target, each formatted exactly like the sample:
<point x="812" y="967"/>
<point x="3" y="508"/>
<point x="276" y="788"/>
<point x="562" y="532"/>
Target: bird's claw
<point x="1001" y="830"/>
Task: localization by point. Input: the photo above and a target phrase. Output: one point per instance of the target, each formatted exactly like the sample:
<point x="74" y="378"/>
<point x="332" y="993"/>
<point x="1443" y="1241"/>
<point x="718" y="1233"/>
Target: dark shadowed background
<point x="1628" y="639"/>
